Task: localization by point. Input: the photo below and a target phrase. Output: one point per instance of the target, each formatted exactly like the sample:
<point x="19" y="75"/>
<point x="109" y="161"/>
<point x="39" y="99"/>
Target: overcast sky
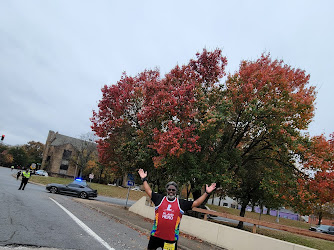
<point x="56" y="55"/>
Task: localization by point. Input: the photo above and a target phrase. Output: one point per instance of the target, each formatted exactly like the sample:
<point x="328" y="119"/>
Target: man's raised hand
<point x="141" y="173"/>
<point x="210" y="188"/>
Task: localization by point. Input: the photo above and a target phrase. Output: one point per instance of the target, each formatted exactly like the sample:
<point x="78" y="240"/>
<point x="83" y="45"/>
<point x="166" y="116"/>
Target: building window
<point x="65" y="162"/>
<point x="63" y="167"/>
<point x="67" y="154"/>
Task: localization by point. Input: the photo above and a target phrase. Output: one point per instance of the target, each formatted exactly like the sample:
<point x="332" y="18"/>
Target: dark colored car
<point x="323" y="229"/>
<point x="78" y="188"/>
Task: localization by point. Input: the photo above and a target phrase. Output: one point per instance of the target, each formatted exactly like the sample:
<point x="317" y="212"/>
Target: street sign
<point x="131" y="183"/>
<point x="91" y="176"/>
<point x="131" y="177"/>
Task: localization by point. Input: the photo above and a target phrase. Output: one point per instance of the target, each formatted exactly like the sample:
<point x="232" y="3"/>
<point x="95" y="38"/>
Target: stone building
<point x="62" y="153"/>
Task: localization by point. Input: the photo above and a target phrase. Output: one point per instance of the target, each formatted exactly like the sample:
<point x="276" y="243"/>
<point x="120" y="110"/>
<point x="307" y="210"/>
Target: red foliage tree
<point x="270" y="103"/>
<point x="241" y="133"/>
<point x="318" y="161"/>
<point x="163" y="114"/>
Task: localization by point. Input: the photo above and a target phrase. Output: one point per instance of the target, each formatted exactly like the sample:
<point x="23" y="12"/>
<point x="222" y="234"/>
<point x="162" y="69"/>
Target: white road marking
<point x="84" y="227"/>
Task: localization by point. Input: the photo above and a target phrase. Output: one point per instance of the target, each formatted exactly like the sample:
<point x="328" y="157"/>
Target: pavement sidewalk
<point x="143" y="225"/>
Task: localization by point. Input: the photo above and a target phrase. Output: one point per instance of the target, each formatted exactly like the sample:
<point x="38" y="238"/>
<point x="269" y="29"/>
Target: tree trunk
<point x="197" y="194"/>
<point x="100" y="175"/>
<point x="268" y="211"/>
<point x="242" y="214"/>
<point x="261" y="211"/>
<point x="220" y="199"/>
<point x="320" y="218"/>
<point x="161" y="190"/>
<point x="188" y="191"/>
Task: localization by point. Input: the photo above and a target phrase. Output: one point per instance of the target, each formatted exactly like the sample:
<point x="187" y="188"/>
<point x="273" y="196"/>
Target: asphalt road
<point x="36" y="218"/>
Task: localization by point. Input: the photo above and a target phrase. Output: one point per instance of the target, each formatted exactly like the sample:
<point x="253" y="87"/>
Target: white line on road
<point x="84" y="227"/>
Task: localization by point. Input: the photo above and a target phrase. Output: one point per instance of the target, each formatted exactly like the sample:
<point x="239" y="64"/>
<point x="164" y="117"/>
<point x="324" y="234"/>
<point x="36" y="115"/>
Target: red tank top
<point x="168" y="215"/>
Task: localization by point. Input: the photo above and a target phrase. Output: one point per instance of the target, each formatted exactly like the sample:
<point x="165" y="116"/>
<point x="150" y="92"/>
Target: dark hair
<point x="171" y="183"/>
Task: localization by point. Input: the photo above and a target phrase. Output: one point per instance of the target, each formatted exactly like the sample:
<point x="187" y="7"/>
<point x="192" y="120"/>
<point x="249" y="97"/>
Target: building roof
<point x="59" y="140"/>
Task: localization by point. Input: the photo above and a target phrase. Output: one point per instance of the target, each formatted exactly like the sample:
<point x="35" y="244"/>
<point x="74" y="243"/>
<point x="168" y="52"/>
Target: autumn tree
<point x="196" y="128"/>
<point x="317" y="161"/>
<point x="178" y="110"/>
<point x="121" y="146"/>
<point x="152" y="122"/>
<point x="269" y="104"/>
<point x="5" y="157"/>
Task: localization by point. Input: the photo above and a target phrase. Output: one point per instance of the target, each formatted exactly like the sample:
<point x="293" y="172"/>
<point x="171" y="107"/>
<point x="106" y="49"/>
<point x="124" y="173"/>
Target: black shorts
<point x="156" y="242"/>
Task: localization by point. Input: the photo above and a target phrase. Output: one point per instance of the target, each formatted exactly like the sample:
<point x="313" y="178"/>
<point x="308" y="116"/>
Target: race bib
<point x="169" y="246"/>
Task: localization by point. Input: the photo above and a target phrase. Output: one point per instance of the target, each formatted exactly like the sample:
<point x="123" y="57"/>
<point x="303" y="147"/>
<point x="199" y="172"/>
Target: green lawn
<point x="119" y="192"/>
<point x="105" y="190"/>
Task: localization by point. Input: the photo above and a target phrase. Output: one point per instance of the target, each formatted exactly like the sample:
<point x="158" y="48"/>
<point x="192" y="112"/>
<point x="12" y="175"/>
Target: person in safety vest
<point x="168" y="213"/>
<point x="25" y="178"/>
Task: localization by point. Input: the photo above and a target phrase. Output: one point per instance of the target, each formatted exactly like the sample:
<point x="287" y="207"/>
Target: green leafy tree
<point x="34" y="152"/>
<point x="20" y="156"/>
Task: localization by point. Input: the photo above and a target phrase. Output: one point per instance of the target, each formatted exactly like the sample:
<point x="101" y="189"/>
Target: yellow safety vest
<point x="26" y="174"/>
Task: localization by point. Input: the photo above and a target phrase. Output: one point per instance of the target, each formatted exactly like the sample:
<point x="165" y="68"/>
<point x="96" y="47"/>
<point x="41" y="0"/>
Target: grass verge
<point x="102" y="189"/>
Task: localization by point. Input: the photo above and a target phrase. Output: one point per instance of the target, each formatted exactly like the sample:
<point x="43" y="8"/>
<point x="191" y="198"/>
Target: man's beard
<point x="171" y="197"/>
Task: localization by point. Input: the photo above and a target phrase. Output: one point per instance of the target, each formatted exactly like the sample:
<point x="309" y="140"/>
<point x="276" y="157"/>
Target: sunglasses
<point x="171" y="189"/>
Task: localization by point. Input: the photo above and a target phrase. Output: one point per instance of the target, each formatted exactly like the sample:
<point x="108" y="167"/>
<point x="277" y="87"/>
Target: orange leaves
<point x="175" y="141"/>
<point x="320" y="154"/>
<point x="319" y="157"/>
<point x="275" y="88"/>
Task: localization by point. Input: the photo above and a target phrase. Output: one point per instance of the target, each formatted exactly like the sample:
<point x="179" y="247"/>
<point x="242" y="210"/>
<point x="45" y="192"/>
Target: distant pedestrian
<point x="25" y="178"/>
<point x="12" y="168"/>
<point x="18" y="175"/>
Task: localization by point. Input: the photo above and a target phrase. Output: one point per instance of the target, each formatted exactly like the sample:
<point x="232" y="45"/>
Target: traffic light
<point x="2" y="137"/>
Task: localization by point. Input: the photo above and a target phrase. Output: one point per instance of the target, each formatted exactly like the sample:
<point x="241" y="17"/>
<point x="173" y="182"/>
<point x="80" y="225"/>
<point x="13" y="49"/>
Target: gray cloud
<point x="56" y="55"/>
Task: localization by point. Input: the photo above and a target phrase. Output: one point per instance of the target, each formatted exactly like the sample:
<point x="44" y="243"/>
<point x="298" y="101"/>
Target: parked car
<point x="79" y="188"/>
<point x="323" y="229"/>
<point x="41" y="172"/>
